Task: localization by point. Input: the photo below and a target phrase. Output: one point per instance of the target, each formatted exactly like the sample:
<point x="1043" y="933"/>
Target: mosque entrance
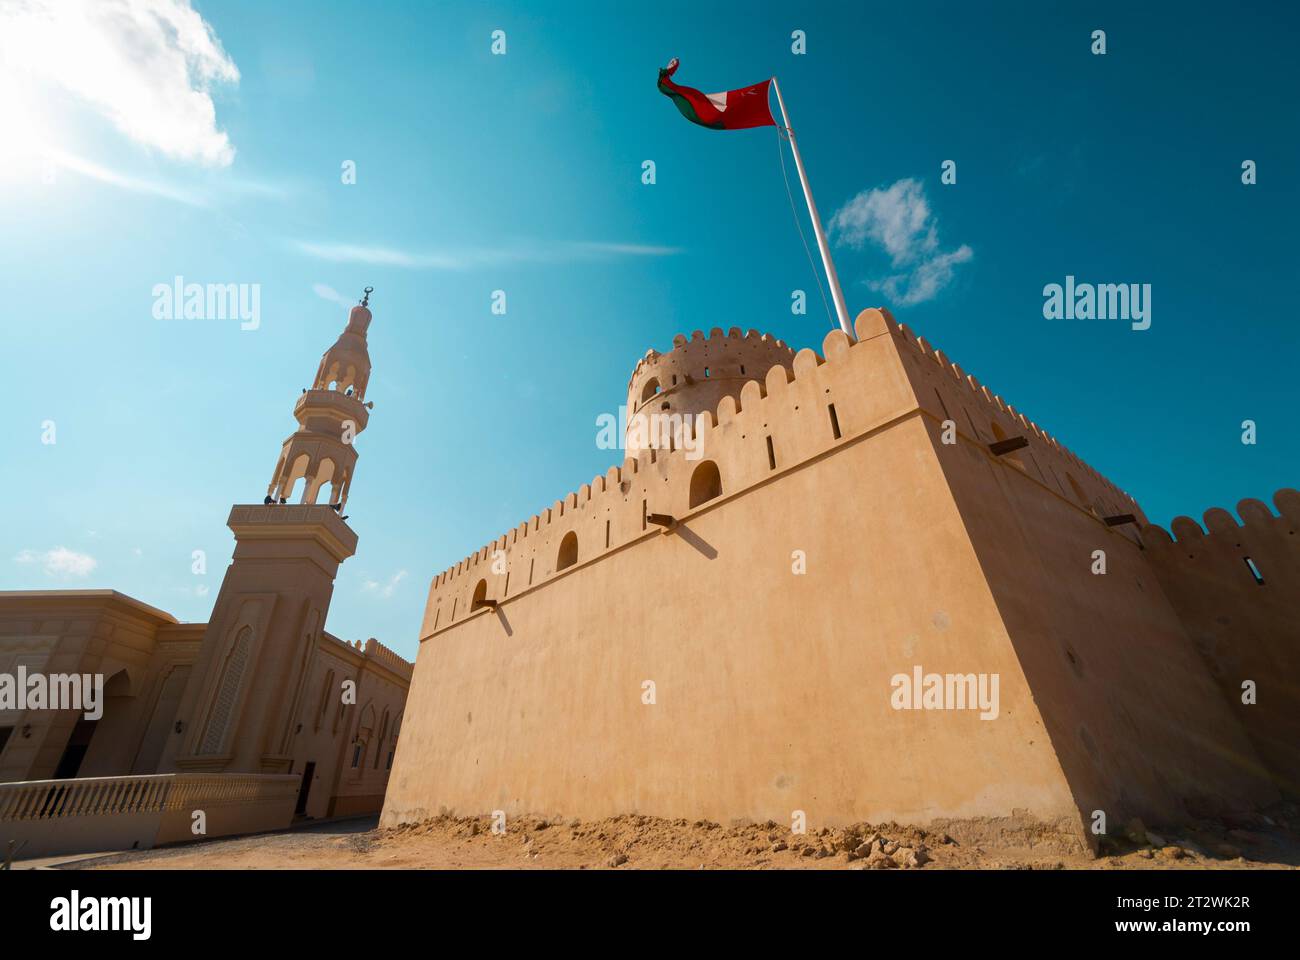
<point x="308" y="773"/>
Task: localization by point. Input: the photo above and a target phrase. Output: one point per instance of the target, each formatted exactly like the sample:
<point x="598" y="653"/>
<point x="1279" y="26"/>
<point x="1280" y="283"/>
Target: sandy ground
<point x="1268" y="841"/>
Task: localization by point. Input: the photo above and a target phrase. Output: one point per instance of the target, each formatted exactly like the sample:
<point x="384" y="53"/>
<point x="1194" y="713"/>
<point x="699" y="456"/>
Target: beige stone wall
<point x="773" y="690"/>
<point x="1132" y="713"/>
<point x="1245" y="630"/>
<point x="331" y="729"/>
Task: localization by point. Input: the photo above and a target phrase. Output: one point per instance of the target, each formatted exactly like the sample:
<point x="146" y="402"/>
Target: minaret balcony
<point x="332" y="403"/>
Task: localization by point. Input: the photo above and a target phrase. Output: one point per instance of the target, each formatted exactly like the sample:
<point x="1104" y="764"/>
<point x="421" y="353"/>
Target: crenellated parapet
<point x="1255" y="515"/>
<point x="774" y="418"/>
<point x="1260" y="549"/>
<point x="950" y="394"/>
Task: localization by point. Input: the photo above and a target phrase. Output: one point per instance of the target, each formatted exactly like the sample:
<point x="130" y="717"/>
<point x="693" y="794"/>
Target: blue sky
<point x="522" y="173"/>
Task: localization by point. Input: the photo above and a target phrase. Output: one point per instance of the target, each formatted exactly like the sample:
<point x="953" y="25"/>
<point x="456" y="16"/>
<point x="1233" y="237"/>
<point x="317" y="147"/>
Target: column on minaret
<point x="329" y="415"/>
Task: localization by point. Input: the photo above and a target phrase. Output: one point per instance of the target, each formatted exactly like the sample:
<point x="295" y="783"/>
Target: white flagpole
<point x="836" y="293"/>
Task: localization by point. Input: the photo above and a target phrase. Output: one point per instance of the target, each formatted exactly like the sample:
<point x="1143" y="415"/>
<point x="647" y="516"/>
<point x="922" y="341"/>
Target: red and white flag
<point x="729" y="110"/>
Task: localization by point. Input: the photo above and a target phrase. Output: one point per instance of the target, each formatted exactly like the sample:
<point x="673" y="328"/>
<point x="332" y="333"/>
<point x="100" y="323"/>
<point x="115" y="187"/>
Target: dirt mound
<point x="1013" y="842"/>
<point x="1263" y="840"/>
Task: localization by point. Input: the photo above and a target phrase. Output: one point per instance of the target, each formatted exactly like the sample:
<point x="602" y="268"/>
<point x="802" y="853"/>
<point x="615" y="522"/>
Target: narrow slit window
<point x="643" y="514"/>
<point x="1254" y="571"/>
<point x="606" y="534"/>
<point x="530" y="570"/>
<point x="771" y="454"/>
<point x="835" y="421"/>
<point x="706" y="371"/>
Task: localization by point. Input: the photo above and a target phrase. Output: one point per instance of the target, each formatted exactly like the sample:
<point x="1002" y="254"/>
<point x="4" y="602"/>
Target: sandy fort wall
<point x="1134" y="716"/>
<point x="1236" y="588"/>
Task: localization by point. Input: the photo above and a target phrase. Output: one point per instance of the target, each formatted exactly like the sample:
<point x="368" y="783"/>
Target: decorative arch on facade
<point x="227" y="692"/>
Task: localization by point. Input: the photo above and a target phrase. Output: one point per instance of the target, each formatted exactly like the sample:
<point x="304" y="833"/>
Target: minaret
<point x="242" y="706"/>
<point x="329" y="415"/>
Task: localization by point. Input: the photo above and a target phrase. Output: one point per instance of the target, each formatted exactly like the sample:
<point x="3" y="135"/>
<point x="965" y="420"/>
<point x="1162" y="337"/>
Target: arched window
<point x="568" y="551"/>
<point x="480" y="594"/>
<point x="650" y="389"/>
<point x="706" y="483"/>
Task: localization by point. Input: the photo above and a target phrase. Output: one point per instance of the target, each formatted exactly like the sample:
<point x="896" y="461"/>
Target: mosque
<point x="256" y="717"/>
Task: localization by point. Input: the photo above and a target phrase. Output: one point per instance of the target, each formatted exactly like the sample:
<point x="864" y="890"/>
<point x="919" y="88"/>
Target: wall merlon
<point x="805" y="361"/>
<point x="835" y="345"/>
<point x="776" y="380"/>
<point x="1219" y="522"/>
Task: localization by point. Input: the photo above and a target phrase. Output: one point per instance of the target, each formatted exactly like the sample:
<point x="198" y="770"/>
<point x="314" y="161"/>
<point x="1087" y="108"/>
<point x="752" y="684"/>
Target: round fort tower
<point x="695" y="375"/>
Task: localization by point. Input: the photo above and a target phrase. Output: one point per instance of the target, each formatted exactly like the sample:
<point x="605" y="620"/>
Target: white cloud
<point x="925" y="280"/>
<point x="898" y="220"/>
<point x="146" y="65"/>
<point x="467" y="258"/>
<point x="387" y="588"/>
<point x="94" y="171"/>
<point x="326" y="292"/>
<point x="59" y="562"/>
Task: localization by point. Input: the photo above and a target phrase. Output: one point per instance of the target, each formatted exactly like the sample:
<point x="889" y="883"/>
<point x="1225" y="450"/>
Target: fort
<point x="1119" y="691"/>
